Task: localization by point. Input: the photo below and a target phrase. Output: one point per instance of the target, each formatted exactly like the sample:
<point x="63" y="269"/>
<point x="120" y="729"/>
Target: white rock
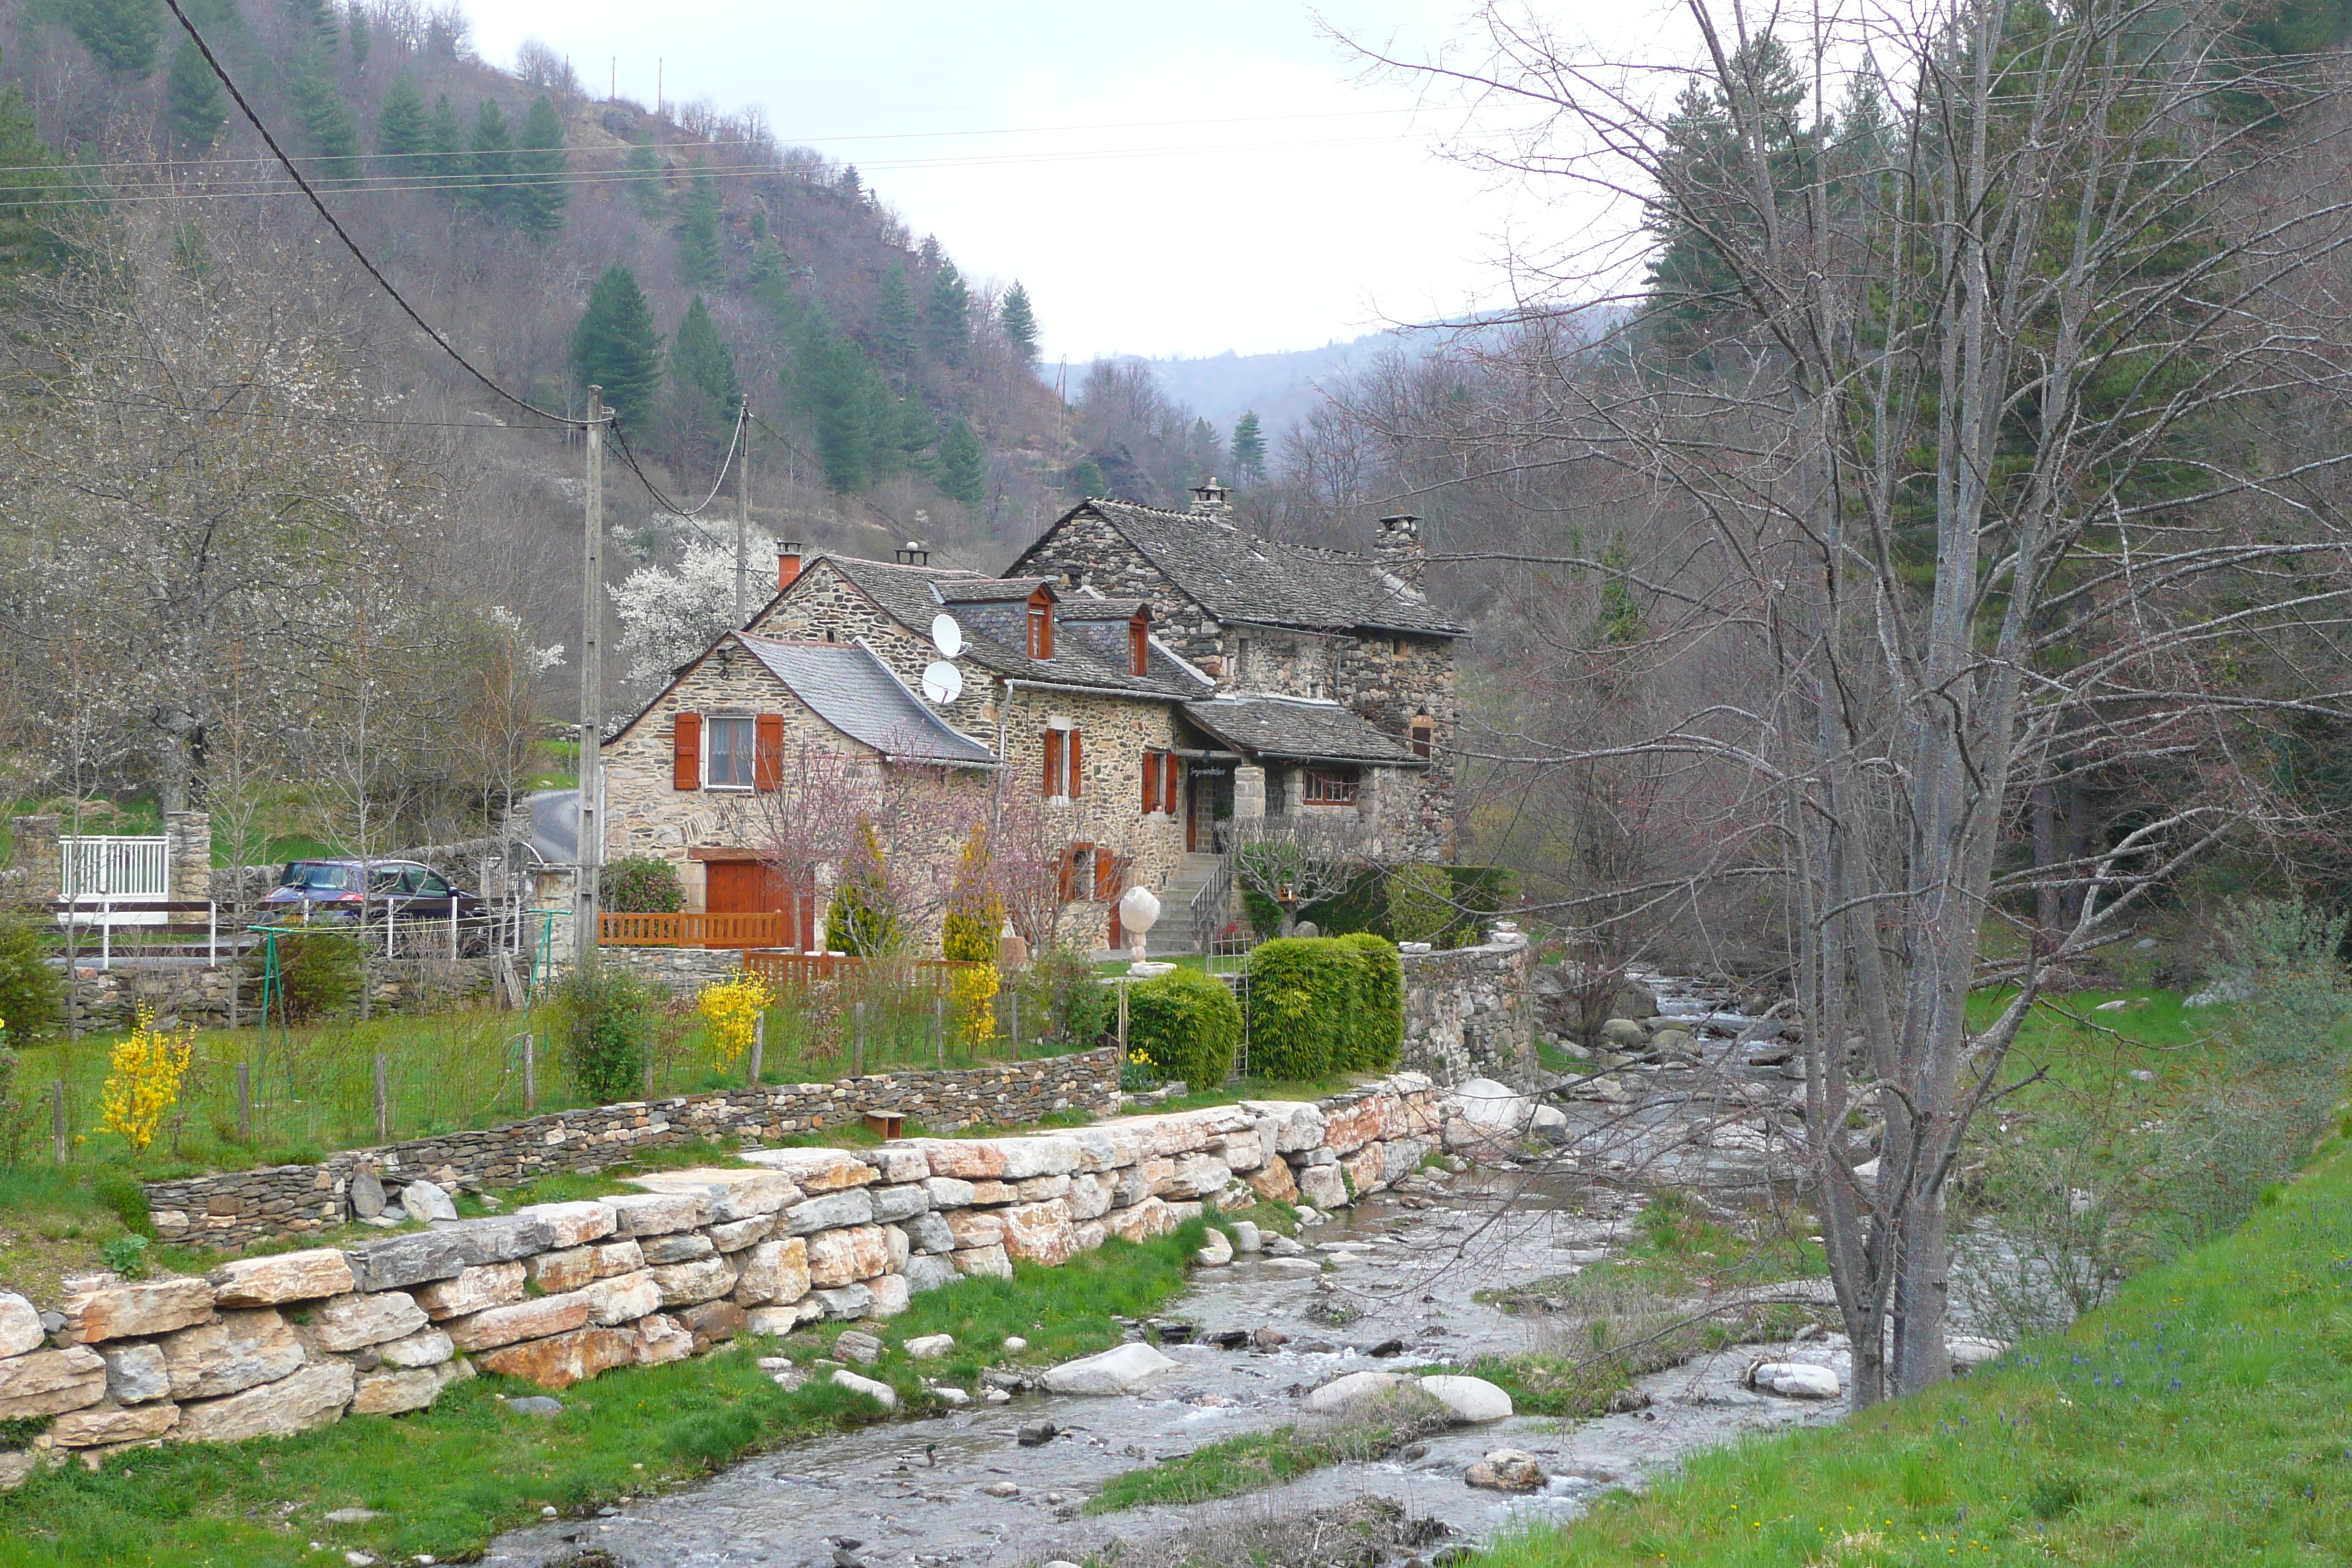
<point x="1968" y="1351"/>
<point x="1217" y="1253"/>
<point x="1472" y="1399"/>
<point x="1245" y="1236"/>
<point x="423" y="1201"/>
<point x="952" y="1397"/>
<point x="1490" y="1109"/>
<point x="881" y="1393"/>
<point x="1016" y="1343"/>
<point x="1290" y="1268"/>
<point x="1795" y="1380"/>
<point x="20" y="1325"/>
<point x="927" y="1346"/>
<point x="1112" y="1372"/>
<point x="1355" y="1388"/>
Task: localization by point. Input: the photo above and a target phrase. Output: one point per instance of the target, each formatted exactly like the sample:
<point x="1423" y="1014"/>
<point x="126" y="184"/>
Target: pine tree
<point x="703" y="375"/>
<point x="963" y="467"/>
<point x="400" y="129"/>
<point x="192" y="104"/>
<point x="541" y="165"/>
<point x="121" y="34"/>
<point x="828" y="381"/>
<point x="946" y="326"/>
<point x="647" y="186"/>
<point x="445" y="147"/>
<point x="28" y="182"/>
<point x="699" y="254"/>
<point x="616" y="347"/>
<point x="489" y="163"/>
<point x="894" y="322"/>
<point x="1086" y="480"/>
<point x="930" y="255"/>
<point x="1249" y="447"/>
<point x="327" y="119"/>
<point x="1020" y="323"/>
<point x="360" y="39"/>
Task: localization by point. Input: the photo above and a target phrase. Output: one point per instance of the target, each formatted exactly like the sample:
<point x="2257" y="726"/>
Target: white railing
<point x="122" y="865"/>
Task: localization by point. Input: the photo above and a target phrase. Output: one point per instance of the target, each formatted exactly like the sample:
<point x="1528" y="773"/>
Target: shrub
<point x="1420" y="903"/>
<point x="1186" y="1025"/>
<point x="968" y="938"/>
<point x="641" y="885"/>
<point x="322" y="972"/>
<point x="862" y="918"/>
<point x="732" y="1007"/>
<point x="32" y="993"/>
<point x="1378" y="1038"/>
<point x="971" y="1004"/>
<point x="1304" y="993"/>
<point x="608" y="1026"/>
<point x="1063" y="999"/>
<point x="142" y="1083"/>
<point x="1478" y="894"/>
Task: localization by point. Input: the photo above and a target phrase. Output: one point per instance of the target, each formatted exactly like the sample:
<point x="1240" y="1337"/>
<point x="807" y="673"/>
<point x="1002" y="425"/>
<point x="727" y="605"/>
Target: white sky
<point x="1318" y="210"/>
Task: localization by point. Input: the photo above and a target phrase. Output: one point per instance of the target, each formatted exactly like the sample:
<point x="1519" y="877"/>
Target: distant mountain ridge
<point x="1282" y="388"/>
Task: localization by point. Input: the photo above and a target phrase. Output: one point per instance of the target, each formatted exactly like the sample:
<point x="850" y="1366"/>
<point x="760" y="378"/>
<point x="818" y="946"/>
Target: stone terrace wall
<point x="1469" y="1013"/>
<point x="557" y="1293"/>
<point x="108" y="998"/>
<point x="240" y="1207"/>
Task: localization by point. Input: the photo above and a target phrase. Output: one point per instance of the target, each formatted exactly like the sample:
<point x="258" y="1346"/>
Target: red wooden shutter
<point x="1052" y="762"/>
<point x="1076" y="758"/>
<point x="1107" y="874"/>
<point x="1139" y="660"/>
<point x="768" y="759"/>
<point x="1066" y="870"/>
<point x="1151" y="783"/>
<point x="686" y="754"/>
<point x="1169" y="784"/>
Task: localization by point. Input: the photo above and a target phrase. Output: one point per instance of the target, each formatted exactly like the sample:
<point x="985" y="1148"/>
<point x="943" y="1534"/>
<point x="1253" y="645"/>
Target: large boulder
<point x="773" y="1271"/>
<point x="572" y="1224"/>
<point x="1794" y="1380"/>
<point x="832" y="1211"/>
<point x="1470" y="1399"/>
<point x="308" y="1275"/>
<point x="136" y="1373"/>
<point x="1039" y="1233"/>
<point x="1507" y="1470"/>
<point x="1352" y="1391"/>
<point x="1119" y="1371"/>
<point x="839" y="1257"/>
<point x="241" y="1350"/>
<point x="623" y="1299"/>
<point x="534" y="1319"/>
<point x="691" y="1284"/>
<point x="20" y="1325"/>
<point x="107" y="1309"/>
<point x="562" y="1360"/>
<point x="98" y="1426"/>
<point x="314" y="1396"/>
<point x="475" y="1289"/>
<point x="815" y="1171"/>
<point x="729" y="1195"/>
<point x="641" y="1215"/>
<point x="356" y="1321"/>
<point x="48" y="1382"/>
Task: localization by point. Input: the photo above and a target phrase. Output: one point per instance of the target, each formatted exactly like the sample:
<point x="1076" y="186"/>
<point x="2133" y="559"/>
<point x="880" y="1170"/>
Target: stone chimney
<point x="1398" y="549"/>
<point x="1209" y="499"/>
<point x="788" y="564"/>
<point x="913" y="554"/>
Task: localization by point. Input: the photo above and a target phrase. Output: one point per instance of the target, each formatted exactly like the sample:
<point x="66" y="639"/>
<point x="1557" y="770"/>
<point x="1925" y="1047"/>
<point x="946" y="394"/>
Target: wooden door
<point x="741" y="888"/>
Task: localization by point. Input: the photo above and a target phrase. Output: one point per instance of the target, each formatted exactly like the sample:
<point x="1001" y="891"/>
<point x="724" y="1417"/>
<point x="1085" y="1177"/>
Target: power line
<point x="630" y="457"/>
<point x="350" y="245"/>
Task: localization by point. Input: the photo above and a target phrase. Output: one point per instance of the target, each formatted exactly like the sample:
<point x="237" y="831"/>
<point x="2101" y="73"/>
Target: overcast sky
<point x="1166" y="180"/>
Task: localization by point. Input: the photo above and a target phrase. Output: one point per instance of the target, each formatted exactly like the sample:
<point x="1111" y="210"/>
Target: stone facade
<point x="278" y="1345"/>
<point x="1469" y="1013"/>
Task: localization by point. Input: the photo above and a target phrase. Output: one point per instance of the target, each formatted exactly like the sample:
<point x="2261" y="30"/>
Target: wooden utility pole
<point x="742" y="509"/>
<point x="584" y="893"/>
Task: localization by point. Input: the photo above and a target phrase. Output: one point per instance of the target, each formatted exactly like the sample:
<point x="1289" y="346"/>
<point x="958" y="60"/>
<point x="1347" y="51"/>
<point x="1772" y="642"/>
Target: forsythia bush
<point x="971" y="1004"/>
<point x="143" y="1081"/>
<point x="733" y="1007"/>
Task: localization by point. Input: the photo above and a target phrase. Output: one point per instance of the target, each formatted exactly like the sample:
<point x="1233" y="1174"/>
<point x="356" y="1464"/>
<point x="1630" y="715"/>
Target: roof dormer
<point x="1040" y="622"/>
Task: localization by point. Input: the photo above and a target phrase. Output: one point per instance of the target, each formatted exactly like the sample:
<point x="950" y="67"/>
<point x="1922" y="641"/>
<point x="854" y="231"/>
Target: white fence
<point x="93" y="867"/>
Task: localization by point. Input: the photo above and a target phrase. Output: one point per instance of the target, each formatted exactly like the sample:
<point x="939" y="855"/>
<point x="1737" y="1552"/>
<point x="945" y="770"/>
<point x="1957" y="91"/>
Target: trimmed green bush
<point x="1304" y="993"/>
<point x="641" y="885"/>
<point x="1186" y="1025"/>
<point x="1378" y="1036"/>
<point x="32" y="993"/>
<point x="1420" y="903"/>
<point x="608" y="1016"/>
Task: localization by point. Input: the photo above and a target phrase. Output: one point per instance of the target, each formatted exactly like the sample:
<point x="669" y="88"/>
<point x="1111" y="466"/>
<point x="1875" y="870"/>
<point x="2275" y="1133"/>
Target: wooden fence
<point x="741" y="931"/>
<point x="781" y="969"/>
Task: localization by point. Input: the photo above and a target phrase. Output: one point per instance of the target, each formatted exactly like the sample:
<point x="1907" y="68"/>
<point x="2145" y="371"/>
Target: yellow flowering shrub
<point x="143" y="1078"/>
<point x="970" y="995"/>
<point x="732" y="1009"/>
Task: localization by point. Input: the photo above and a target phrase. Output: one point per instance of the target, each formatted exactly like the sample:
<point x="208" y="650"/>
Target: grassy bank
<point x="446" y="1480"/>
<point x="2204" y="1417"/>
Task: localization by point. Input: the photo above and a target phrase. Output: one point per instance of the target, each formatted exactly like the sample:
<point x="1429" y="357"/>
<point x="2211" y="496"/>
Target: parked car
<point x="328" y="892"/>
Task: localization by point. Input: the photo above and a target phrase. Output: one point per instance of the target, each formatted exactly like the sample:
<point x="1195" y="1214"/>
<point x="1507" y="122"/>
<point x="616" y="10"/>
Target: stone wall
<point x="239" y="1208"/>
<point x="109" y="998"/>
<point x="556" y="1293"/>
<point x="1469" y="1013"/>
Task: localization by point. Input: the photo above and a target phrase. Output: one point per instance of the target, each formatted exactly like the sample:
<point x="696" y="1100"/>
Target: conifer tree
<point x="445" y="146"/>
<point x="542" y="165"/>
<point x="616" y="347"/>
<point x="400" y="129"/>
<point x="1249" y="446"/>
<point x="698" y="233"/>
<point x="946" y="326"/>
<point x="192" y="104"/>
<point x="29" y="182"/>
<point x="963" y="467"/>
<point x="359" y="40"/>
<point x="830" y="382"/>
<point x="896" y="321"/>
<point x="930" y="255"/>
<point x="703" y="375"/>
<point x="1020" y="323"/>
<point x="122" y="36"/>
<point x="334" y="134"/>
<point x="647" y="187"/>
<point x="489" y="163"/>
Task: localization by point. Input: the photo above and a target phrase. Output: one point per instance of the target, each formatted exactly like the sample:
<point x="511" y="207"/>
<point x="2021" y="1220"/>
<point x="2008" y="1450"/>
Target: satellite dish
<point x="946" y="636"/>
<point x="942" y="682"/>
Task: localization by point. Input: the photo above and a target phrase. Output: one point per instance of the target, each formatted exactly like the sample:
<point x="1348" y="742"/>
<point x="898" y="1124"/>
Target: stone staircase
<point x="1173" y="934"/>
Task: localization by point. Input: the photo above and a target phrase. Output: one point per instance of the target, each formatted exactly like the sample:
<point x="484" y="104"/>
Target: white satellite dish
<point x="942" y="682"/>
<point x="946" y="636"/>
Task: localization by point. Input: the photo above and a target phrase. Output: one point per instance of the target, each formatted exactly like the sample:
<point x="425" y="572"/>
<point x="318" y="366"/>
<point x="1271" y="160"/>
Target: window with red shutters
<point x="1151" y="783"/>
<point x="1107" y="874"/>
<point x="686" y="753"/>
<point x="1077" y="757"/>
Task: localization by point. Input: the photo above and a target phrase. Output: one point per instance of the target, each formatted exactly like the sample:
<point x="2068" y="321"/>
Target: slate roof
<point x="906" y="594"/>
<point x="851" y="689"/>
<point x="1298" y="730"/>
<point x="1237" y="576"/>
<point x="986" y="590"/>
<point x="1095" y="607"/>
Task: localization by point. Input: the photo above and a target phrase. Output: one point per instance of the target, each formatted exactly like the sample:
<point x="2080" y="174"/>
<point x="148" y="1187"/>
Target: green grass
<point x="447" y="1479"/>
<point x="1254" y="1461"/>
<point x="2204" y="1417"/>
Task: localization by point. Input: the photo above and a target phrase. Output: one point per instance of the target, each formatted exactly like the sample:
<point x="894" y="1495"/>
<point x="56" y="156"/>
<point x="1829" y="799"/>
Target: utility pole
<point x="743" y="509"/>
<point x="584" y="898"/>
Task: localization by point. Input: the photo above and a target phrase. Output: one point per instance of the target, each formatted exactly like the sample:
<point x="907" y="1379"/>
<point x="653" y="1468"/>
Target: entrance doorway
<point x="1211" y="801"/>
<point x="752" y="888"/>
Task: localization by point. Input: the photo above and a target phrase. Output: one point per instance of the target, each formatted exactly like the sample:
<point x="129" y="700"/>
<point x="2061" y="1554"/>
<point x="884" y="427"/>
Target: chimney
<point x="1209" y="499"/>
<point x="1398" y="549"/>
<point x="912" y="554"/>
<point x="788" y="563"/>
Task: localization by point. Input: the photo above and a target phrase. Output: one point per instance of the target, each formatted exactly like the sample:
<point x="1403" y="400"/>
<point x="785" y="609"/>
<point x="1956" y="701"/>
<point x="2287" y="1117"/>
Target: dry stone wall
<point x="556" y="1293"/>
<point x="1469" y="1013"/>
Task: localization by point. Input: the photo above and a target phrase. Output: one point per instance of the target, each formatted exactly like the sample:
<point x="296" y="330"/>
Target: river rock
<point x="48" y="1382"/>
<point x="1507" y="1471"/>
<point x="1280" y="1246"/>
<point x="20" y="1325"/>
<point x="355" y="1322"/>
<point x="862" y="1348"/>
<point x="308" y="1275"/>
<point x="662" y="1339"/>
<point x="1290" y="1268"/>
<point x="1246" y="1237"/>
<point x="1274" y="1181"/>
<point x="108" y="1309"/>
<point x="562" y="1360"/>
<point x="1354" y="1388"/>
<point x="136" y="1373"/>
<point x="570" y="1224"/>
<point x="1795" y="1380"/>
<point x="927" y="1347"/>
<point x="1217" y="1253"/>
<point x="1115" y="1371"/>
<point x="623" y="1299"/>
<point x="1471" y="1399"/>
<point x="773" y="1271"/>
<point x="1323" y="1187"/>
<point x="314" y="1396"/>
<point x="240" y="1350"/>
<point x="882" y="1393"/>
<point x="101" y="1424"/>
<point x="424" y="1203"/>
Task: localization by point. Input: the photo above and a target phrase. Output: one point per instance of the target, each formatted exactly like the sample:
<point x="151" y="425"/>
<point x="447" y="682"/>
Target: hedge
<point x="1325" y="1004"/>
<point x="1186" y="1025"/>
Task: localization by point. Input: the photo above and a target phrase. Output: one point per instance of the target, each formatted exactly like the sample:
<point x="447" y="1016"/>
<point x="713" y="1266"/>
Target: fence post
<point x="58" y="1120"/>
<point x="1013" y="1000"/>
<point x="529" y="1074"/>
<point x="382" y="1105"/>
<point x="244" y="1102"/>
<point x="453" y="928"/>
<point x="940" y="1027"/>
<point x="857" y="1059"/>
<point x="759" y="1045"/>
<point x="212" y="935"/>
